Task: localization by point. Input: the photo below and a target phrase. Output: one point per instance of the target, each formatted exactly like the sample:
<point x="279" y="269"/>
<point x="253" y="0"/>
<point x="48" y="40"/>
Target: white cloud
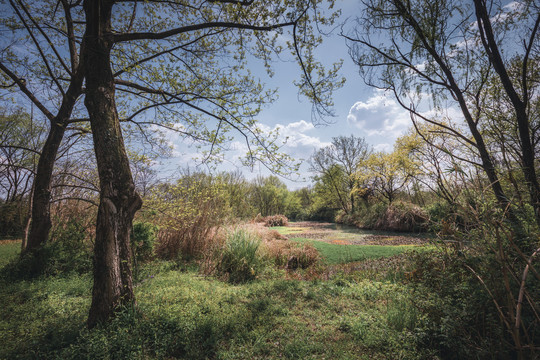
<point x="379" y="115"/>
<point x="294" y="135"/>
<point x="294" y="138"/>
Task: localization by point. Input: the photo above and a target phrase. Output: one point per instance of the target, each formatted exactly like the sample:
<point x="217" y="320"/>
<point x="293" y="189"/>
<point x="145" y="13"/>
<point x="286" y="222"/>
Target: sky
<point x="360" y="111"/>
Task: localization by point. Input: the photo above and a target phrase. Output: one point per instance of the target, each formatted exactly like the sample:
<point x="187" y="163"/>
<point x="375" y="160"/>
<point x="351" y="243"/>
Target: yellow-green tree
<point x="387" y="173"/>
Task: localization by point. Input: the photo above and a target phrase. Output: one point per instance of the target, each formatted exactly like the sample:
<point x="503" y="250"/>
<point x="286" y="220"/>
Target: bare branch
<point x="209" y="25"/>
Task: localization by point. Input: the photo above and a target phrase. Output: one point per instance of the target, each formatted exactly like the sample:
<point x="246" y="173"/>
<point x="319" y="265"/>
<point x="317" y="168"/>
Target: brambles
<point x="276" y="220"/>
<point x="188" y="215"/>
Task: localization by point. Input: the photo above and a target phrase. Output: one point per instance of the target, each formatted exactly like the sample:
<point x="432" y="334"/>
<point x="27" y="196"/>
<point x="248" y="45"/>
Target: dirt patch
<point x="336" y="234"/>
<point x="9" y="241"/>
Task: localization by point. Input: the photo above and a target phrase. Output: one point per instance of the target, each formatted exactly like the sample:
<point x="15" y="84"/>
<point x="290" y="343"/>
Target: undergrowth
<point x="185" y="316"/>
<point x="411" y="305"/>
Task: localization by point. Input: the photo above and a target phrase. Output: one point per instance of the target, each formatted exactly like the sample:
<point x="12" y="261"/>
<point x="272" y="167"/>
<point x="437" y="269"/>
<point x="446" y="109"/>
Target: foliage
<point x="269" y="195"/>
<point x="276" y="220"/>
<point x="336" y="164"/>
<point x="460" y="315"/>
<point x="21" y="137"/>
<point x="13" y="216"/>
<point x="143" y="239"/>
<point x="397" y="216"/>
<point x="188" y="214"/>
<point x="386" y="174"/>
<point x="66" y="252"/>
<point x="239" y="259"/>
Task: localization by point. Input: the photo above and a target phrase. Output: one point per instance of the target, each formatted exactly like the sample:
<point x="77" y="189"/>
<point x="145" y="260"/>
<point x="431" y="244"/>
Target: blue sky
<point x="360" y="110"/>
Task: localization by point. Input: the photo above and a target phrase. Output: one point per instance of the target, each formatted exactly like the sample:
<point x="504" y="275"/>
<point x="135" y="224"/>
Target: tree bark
<point x="119" y="200"/>
<point x="41" y="214"/>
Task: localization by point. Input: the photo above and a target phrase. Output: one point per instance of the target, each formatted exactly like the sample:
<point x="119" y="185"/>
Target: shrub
<point x="368" y="216"/>
<point x="276" y="220"/>
<point x="189" y="215"/>
<point x="460" y="319"/>
<point x="398" y="216"/>
<point x="66" y="252"/>
<point x="403" y="216"/>
<point x="239" y="259"/>
<point x="142" y="240"/>
<point x="292" y="255"/>
<point x="13" y="217"/>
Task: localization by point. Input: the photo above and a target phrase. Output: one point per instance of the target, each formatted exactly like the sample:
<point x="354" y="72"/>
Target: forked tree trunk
<point x="119" y="201"/>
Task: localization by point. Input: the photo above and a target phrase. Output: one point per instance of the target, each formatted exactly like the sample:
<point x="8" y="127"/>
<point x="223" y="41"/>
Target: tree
<point x="437" y="158"/>
<point x="456" y="51"/>
<point x="330" y="189"/>
<point x="387" y="174"/>
<point x="21" y="137"/>
<point x="269" y="195"/>
<point x="155" y="63"/>
<point x="347" y="153"/>
<point x="450" y="49"/>
<point x="34" y="29"/>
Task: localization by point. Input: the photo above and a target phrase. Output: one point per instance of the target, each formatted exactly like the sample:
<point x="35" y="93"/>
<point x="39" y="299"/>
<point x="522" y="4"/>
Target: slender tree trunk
<point x="41" y="214"/>
<point x="519" y="103"/>
<point x="119" y="200"/>
<point x="40" y="203"/>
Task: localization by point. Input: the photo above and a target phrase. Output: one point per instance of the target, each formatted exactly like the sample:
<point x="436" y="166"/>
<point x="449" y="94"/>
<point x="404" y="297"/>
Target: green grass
<point x="186" y="316"/>
<point x="181" y="314"/>
<point x="287" y="230"/>
<point x="8" y="251"/>
<point x="338" y="254"/>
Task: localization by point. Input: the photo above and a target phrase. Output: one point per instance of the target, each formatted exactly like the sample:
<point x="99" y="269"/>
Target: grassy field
<point x="183" y="315"/>
<point x="340" y="254"/>
<point x="358" y="303"/>
<point x="9" y="249"/>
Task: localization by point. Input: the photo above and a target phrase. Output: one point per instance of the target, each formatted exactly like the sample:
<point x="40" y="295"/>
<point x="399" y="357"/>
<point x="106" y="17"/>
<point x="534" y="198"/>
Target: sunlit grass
<point x="182" y="314"/>
<point x="9" y="249"/>
<point x="338" y="253"/>
<point x="287" y="230"/>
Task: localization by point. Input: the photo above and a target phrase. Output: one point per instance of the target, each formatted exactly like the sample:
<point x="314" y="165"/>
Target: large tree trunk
<point x="41" y="214"/>
<point x="119" y="201"/>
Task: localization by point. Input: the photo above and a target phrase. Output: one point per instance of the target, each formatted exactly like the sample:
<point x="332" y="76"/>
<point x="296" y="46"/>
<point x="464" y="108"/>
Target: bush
<point x="142" y="240"/>
<point x="460" y="319"/>
<point x="188" y="215"/>
<point x="398" y="216"/>
<point x="66" y="252"/>
<point x="367" y="218"/>
<point x="403" y="216"/>
<point x="239" y="260"/>
<point x="276" y="220"/>
<point x="292" y="255"/>
<point x="13" y="217"/>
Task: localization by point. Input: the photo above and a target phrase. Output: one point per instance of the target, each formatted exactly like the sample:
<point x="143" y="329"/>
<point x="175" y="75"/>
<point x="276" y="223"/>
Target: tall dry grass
<point x="189" y="217"/>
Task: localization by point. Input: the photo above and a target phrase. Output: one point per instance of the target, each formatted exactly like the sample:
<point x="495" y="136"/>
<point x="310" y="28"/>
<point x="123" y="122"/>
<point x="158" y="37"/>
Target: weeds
<point x="276" y="220"/>
<point x="239" y="260"/>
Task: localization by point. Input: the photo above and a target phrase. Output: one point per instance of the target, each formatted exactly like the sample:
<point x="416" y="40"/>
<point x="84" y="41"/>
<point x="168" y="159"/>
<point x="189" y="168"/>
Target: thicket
<point x="67" y="251"/>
